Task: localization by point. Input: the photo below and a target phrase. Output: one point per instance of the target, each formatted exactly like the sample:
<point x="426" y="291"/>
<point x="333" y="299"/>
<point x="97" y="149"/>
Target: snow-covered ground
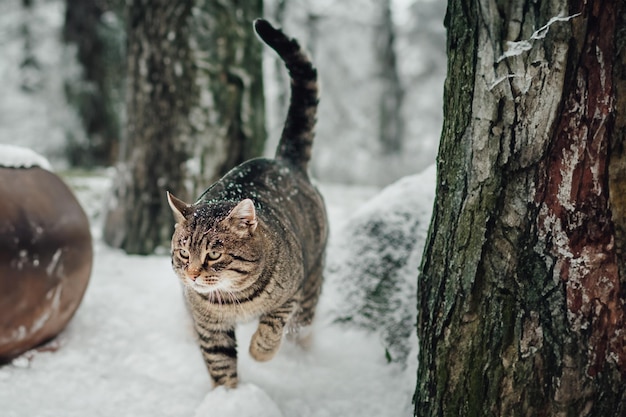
<point x="130" y="349"/>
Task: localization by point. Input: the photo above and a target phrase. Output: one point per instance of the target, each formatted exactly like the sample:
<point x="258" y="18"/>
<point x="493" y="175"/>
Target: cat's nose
<point x="193" y="273"/>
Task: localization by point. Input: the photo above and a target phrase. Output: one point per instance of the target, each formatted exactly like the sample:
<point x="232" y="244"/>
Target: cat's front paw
<point x="263" y="348"/>
<point x="226" y="382"/>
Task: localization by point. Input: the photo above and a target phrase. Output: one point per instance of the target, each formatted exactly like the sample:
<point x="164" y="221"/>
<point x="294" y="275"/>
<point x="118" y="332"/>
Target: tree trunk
<point x="195" y="109"/>
<point x="96" y="27"/>
<point x="521" y="300"/>
<point x="231" y="129"/>
<point x="391" y="124"/>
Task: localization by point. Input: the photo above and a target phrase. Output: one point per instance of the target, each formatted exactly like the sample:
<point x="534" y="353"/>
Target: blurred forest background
<point x="381" y="63"/>
<point x="173" y="94"/>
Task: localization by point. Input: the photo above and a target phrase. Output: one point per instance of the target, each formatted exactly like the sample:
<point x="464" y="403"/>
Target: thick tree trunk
<point x="195" y="109"/>
<point x="229" y="122"/>
<point x="521" y="303"/>
<point x="161" y="94"/>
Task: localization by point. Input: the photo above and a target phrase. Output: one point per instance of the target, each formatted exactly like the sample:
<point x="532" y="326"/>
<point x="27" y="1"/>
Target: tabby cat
<point x="253" y="244"/>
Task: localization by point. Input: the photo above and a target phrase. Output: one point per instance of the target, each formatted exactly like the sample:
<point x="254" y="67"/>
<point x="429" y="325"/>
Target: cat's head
<point x="216" y="247"/>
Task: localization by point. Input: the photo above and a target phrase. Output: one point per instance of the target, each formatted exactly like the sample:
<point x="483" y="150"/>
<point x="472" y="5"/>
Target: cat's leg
<point x="311" y="295"/>
<point x="266" y="340"/>
<point x="219" y="350"/>
<point x="303" y="334"/>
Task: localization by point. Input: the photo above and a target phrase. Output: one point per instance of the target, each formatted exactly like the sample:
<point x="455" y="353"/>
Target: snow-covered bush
<point x="377" y="271"/>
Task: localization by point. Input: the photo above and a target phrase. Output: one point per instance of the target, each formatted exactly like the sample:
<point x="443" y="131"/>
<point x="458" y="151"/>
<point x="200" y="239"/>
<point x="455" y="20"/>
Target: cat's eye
<point x="214" y="255"/>
<point x="184" y="253"/>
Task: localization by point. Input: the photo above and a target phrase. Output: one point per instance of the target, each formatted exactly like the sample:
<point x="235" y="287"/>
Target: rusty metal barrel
<point x="46" y="256"/>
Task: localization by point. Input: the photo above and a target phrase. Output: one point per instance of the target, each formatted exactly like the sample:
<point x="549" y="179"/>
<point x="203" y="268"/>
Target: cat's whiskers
<point x="234" y="300"/>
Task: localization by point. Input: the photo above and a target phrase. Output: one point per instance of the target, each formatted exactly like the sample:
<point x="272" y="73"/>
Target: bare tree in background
<point x="96" y="27"/>
<point x="391" y="123"/>
<point x="522" y="292"/>
<point x="195" y="109"/>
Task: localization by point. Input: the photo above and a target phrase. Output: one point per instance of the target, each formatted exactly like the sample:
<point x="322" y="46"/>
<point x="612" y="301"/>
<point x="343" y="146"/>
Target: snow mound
<point x="381" y="246"/>
<point x="248" y="400"/>
<point x="18" y="157"/>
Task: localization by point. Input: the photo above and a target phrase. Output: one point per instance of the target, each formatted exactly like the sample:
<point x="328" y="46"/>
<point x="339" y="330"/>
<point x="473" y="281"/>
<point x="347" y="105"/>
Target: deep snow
<point x="130" y="350"/>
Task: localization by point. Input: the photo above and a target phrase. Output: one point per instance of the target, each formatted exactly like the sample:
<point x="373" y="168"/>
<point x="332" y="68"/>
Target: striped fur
<point x="297" y="137"/>
<point x="253" y="244"/>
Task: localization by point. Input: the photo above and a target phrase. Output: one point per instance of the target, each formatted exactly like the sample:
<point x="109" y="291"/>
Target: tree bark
<point x="231" y="129"/>
<point x="195" y="109"/>
<point x="520" y="299"/>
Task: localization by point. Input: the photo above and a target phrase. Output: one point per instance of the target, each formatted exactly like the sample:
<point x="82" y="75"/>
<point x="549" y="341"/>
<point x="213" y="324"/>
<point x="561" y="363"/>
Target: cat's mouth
<point x="203" y="287"/>
<point x="216" y="293"/>
<point x="207" y="287"/>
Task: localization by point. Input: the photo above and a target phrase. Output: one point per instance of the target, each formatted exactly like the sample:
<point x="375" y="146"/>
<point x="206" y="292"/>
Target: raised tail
<point x="297" y="137"/>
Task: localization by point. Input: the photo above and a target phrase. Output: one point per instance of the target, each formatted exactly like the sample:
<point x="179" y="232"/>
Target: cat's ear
<point x="179" y="208"/>
<point x="243" y="217"/>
